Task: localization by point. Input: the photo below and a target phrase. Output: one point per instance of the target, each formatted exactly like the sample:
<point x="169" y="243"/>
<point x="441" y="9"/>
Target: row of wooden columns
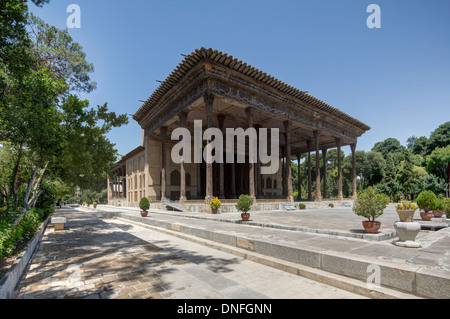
<point x="117" y="186"/>
<point x="209" y="100"/>
<point x="318" y="194"/>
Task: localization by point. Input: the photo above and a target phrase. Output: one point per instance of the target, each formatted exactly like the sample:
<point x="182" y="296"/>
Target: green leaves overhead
<point x="55" y="49"/>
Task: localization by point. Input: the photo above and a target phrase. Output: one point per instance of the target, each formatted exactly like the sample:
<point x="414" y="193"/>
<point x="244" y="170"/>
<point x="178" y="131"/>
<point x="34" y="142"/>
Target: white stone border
<point x="12" y="277"/>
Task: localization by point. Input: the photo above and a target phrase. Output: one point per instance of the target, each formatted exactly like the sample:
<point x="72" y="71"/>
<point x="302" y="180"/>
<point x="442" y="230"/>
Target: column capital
<point x="208" y="98"/>
<point x="353" y="147"/>
<point x="287" y="125"/>
<point x="250" y="112"/>
<point x="183" y="118"/>
<point x="163" y="131"/>
<point x="221" y="119"/>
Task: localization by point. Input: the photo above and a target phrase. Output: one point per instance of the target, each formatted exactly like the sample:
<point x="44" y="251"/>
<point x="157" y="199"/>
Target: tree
<point x="55" y="50"/>
<point x="439" y="138"/>
<point x="390" y="145"/>
<point x="438" y="162"/>
<point x="389" y="179"/>
<point x="418" y="145"/>
<point x="406" y="174"/>
<point x="374" y="169"/>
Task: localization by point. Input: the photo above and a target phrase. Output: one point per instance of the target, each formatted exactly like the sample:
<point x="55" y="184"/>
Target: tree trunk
<point x="27" y="193"/>
<point x="36" y="194"/>
<point x="13" y="185"/>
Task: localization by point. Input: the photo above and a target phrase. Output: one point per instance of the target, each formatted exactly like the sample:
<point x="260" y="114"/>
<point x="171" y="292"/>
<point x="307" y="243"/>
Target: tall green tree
<point x="439" y="137"/>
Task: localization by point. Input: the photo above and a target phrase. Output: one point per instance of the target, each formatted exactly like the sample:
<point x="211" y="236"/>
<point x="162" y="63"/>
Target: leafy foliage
<point x="144" y="204"/>
<point x="370" y="204"/>
<point x="426" y="200"/>
<point x="215" y="203"/>
<point x="244" y="203"/>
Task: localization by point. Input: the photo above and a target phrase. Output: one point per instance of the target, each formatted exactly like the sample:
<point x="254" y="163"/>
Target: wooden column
<point x="251" y="173"/>
<point x="221" y="119"/>
<point x="258" y="166"/>
<point x="199" y="180"/>
<point x="209" y="100"/>
<point x="308" y="145"/>
<point x="241" y="178"/>
<point x="287" y="127"/>
<point x="353" y="148"/>
<point x="233" y="177"/>
<point x="283" y="171"/>
<point x="110" y="188"/>
<point x="183" y="118"/>
<point x="163" y="131"/>
<point x="298" y="177"/>
<point x="317" y="146"/>
<point x="324" y="158"/>
<point x="340" y="193"/>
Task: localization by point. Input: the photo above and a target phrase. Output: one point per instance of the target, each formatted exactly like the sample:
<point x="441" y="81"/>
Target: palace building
<point x="224" y="92"/>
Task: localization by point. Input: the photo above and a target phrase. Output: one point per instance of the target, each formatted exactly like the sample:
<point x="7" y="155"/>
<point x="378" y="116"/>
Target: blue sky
<point x="395" y="79"/>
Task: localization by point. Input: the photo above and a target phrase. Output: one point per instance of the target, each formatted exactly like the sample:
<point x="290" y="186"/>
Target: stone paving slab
<point x="401" y="266"/>
<point x="338" y="221"/>
<point x="110" y="259"/>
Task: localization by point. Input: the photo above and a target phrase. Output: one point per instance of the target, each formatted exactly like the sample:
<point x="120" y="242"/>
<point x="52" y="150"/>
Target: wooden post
<point x="287" y="126"/>
<point x="251" y="173"/>
<point x="316" y="141"/>
<point x="308" y="145"/>
<point x="163" y="131"/>
<point x="298" y="177"/>
<point x="209" y="100"/>
<point x="340" y="193"/>
<point x="221" y="119"/>
<point x="324" y="157"/>
<point x="183" y="118"/>
<point x="353" y="148"/>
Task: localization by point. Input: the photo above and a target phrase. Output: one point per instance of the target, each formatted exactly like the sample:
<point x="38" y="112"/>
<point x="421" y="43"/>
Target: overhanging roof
<point x="226" y="60"/>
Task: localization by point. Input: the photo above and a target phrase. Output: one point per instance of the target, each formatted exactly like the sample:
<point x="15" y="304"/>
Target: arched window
<point x="188" y="179"/>
<point x="268" y="182"/>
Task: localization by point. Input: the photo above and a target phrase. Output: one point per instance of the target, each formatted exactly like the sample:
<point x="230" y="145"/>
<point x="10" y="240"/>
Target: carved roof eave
<point x="231" y="63"/>
<point x="203" y="65"/>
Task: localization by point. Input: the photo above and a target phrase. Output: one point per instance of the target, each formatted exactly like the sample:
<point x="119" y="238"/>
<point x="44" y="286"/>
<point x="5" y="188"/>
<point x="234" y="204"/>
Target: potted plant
<point x="144" y="205"/>
<point x="370" y="204"/>
<point x="438" y="209"/>
<point x="215" y="205"/>
<point x="406" y="228"/>
<point x="243" y="205"/>
<point x="302" y="206"/>
<point x="94" y="204"/>
<point x="426" y="201"/>
<point x="88" y="202"/>
<point x="405" y="211"/>
<point x="331" y="205"/>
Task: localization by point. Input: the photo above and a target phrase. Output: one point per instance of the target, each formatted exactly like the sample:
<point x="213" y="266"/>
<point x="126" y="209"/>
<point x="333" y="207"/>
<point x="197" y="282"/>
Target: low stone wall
<point x="12" y="277"/>
<point x="261" y="205"/>
<point x="412" y="279"/>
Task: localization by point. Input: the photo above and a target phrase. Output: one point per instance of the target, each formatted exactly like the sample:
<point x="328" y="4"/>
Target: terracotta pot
<point x="144" y="213"/>
<point x="214" y="211"/>
<point x="371" y="227"/>
<point x="406" y="215"/>
<point x="426" y="216"/>
<point x="245" y="217"/>
<point x="438" y="213"/>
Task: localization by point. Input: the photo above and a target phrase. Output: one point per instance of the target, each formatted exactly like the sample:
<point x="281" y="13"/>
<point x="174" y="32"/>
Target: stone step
<point x="396" y="275"/>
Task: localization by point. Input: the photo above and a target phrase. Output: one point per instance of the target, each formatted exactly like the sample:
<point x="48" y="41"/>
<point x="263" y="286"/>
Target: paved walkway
<point x="110" y="258"/>
<point x="329" y="229"/>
